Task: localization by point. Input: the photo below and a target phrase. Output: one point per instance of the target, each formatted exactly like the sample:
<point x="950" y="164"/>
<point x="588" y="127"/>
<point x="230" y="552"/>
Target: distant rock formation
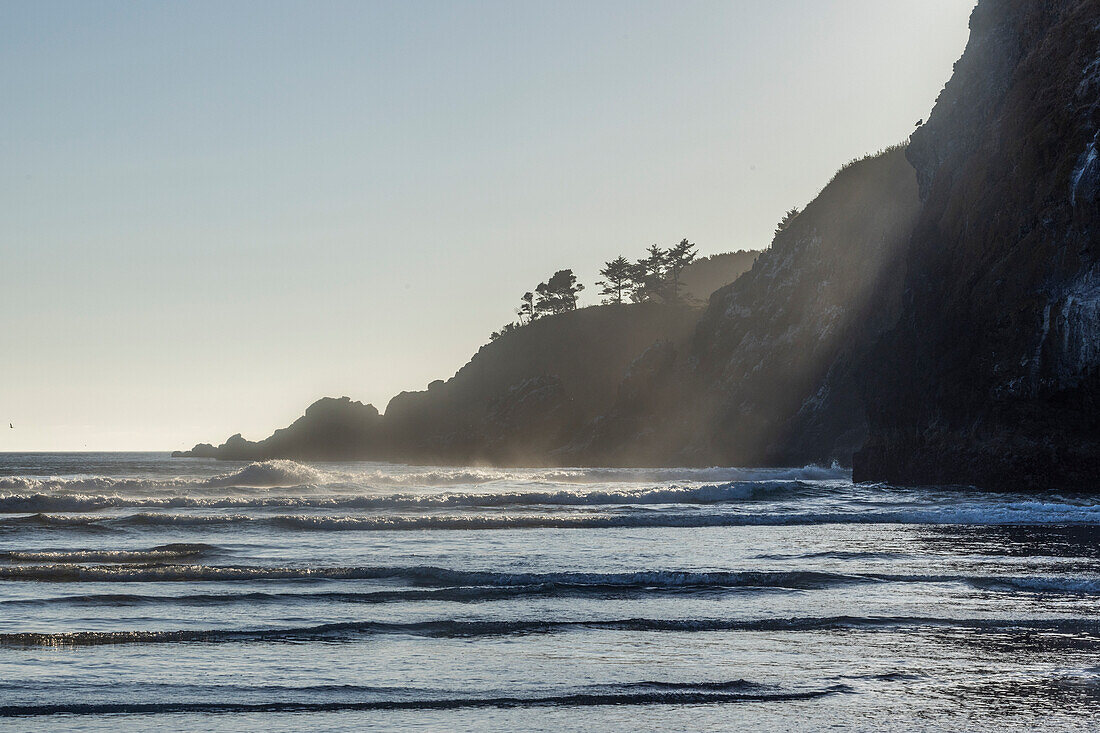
<point x="992" y="374"/>
<point x="330" y="430"/>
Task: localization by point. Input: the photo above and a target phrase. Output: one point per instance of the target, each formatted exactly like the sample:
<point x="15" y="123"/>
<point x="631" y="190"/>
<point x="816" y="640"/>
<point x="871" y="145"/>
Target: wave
<point x="1043" y="585"/>
<point x="283" y="473"/>
<point x="174" y="551"/>
<point x="462" y="629"/>
<point x="430" y="575"/>
<point x="810" y="472"/>
<point x="262" y="474"/>
<point x="709" y="494"/>
<point x="644" y="693"/>
<point x="269" y="473"/>
<point x="460" y="594"/>
<point x="1020" y="514"/>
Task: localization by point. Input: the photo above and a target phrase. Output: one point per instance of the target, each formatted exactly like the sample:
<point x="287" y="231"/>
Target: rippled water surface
<point x="139" y="592"/>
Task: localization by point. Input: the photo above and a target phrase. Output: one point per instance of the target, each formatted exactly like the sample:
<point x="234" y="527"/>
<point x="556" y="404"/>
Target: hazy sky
<point x="213" y="213"/>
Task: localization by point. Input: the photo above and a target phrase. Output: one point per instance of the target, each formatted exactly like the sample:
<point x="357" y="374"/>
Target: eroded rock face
<point x="991" y="375"/>
<point x="776" y="350"/>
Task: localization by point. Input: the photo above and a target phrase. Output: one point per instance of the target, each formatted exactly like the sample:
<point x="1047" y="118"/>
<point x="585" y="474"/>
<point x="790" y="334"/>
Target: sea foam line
<point x="1021" y="513"/>
<point x="286" y="474"/>
<point x="21" y="503"/>
<point x="173" y="551"/>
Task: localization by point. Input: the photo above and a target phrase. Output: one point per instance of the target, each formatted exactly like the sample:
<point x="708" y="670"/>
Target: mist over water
<point x="202" y="595"/>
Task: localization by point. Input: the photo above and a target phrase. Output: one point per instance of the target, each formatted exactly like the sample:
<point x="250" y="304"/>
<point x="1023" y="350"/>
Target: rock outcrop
<point x="991" y="374"/>
<point x="330" y="430"/>
<point x="519" y="399"/>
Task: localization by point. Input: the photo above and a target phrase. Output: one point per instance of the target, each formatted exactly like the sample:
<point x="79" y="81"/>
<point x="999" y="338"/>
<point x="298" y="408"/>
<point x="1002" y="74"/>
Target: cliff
<point x="763" y="375"/>
<point x="768" y="377"/>
<point x="707" y="274"/>
<point x="522" y="395"/>
<point x="990" y="375"/>
<point x="519" y="397"/>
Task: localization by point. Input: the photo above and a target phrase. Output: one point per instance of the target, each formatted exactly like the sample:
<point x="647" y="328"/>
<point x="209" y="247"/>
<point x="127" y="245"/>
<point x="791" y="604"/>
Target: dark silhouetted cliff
<point x="762" y="375"/>
<point x="990" y="376"/>
<point x="331" y="429"/>
<point x="518" y="399"/>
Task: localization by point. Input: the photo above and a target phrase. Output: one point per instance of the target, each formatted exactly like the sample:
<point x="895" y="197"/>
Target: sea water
<point x="140" y="592"/>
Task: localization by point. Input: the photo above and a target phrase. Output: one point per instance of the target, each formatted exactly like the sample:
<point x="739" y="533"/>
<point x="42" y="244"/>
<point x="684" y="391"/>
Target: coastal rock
<point x="991" y="375"/>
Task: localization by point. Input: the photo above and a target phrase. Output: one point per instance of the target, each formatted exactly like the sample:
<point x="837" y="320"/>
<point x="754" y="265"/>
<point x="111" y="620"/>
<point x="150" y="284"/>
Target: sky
<point x="211" y="214"/>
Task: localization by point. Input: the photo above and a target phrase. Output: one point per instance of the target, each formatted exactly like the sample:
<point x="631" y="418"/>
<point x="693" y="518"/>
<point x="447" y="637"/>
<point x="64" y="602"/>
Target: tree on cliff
<point x="677" y="259"/>
<point x="506" y="328"/>
<point x="526" y="310"/>
<point x="648" y="276"/>
<point x="616" y="274"/>
<point x="558" y="294"/>
<point x="787" y="219"/>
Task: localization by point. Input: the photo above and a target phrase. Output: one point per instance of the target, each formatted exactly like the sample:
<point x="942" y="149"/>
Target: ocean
<point x="140" y="592"/>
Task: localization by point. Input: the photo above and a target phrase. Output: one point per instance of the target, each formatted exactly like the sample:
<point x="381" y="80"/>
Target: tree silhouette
<point x="558" y="294"/>
<point x="648" y="275"/>
<point x="787" y="219"/>
<point x="526" y="308"/>
<point x="677" y="258"/>
<point x="506" y="328"/>
<point x="616" y="274"/>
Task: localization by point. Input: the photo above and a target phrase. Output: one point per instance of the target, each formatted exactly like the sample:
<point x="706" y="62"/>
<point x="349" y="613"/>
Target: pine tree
<point x="677" y="259"/>
<point x="558" y="294"/>
<point x="648" y="275"/>
<point x="787" y="219"/>
<point x="526" y="308"/>
<point x="616" y="280"/>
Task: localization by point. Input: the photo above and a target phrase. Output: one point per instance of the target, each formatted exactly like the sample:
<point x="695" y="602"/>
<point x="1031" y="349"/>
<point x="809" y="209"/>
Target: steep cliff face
<point x="775" y="350"/>
<point x="991" y="374"/>
<point x="768" y="376"/>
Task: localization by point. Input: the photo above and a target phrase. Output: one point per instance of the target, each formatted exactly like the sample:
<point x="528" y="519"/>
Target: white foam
<point x="269" y="473"/>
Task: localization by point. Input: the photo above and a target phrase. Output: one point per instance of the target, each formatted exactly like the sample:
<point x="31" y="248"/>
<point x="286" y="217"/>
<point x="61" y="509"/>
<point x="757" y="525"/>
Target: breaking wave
<point x="283" y="473"/>
<point x="709" y="494"/>
<point x="174" y="551"/>
<point x="262" y="474"/>
<point x="269" y="473"/>
<point x="1011" y="513"/>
